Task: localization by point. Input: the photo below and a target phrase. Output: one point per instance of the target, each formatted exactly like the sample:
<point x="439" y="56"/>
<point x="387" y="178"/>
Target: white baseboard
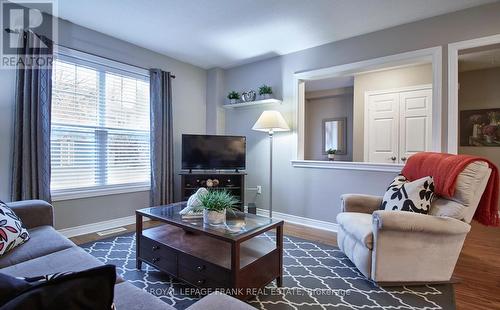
<point x="123" y="221"/>
<point x="95" y="227"/>
<point x="304" y="221"/>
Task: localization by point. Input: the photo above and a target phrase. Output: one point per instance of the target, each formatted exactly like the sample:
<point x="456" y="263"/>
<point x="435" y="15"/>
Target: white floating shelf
<point x="252" y="103"/>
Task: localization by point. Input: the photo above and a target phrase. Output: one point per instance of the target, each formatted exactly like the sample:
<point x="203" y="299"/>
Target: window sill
<point x="62" y="195"/>
<point x="346" y="165"/>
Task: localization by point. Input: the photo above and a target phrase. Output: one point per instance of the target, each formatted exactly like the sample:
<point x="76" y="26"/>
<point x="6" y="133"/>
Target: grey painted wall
<point x="388" y="79"/>
<point x="189" y="100"/>
<point x="480" y="89"/>
<point x="325" y="107"/>
<point x="314" y="193"/>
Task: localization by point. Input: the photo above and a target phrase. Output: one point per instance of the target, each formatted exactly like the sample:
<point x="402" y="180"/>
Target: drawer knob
<point x="200" y="268"/>
<point x="156" y="247"/>
<point x="156" y="259"/>
<point x="200" y="282"/>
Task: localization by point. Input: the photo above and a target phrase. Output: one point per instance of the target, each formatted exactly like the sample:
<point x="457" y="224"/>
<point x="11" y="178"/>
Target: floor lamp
<point x="270" y="122"/>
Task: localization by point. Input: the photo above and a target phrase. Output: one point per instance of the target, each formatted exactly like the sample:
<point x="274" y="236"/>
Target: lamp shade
<point x="270" y="121"/>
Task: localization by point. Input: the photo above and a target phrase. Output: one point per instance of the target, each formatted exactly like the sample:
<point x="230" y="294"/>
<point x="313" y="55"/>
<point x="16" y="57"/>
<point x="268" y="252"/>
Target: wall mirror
<point x="334" y="135"/>
<point x="370" y="113"/>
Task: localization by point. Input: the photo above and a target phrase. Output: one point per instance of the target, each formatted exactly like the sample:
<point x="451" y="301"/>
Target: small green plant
<point x="265" y="90"/>
<point x="217" y="200"/>
<point x="233" y="95"/>
<point x="331" y="151"/>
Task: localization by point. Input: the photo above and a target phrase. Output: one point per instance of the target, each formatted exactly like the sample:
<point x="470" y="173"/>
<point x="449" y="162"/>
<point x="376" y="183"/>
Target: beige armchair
<point x="399" y="246"/>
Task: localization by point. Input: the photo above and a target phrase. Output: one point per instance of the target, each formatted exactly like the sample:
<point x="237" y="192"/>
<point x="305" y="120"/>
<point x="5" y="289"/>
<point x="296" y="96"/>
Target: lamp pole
<point x="271" y="173"/>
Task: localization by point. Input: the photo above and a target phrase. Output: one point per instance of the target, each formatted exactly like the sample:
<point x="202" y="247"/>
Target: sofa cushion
<point x="43" y="240"/>
<point x="403" y="195"/>
<point x="12" y="230"/>
<point x="358" y="226"/>
<point x="71" y="259"/>
<point x="217" y="301"/>
<point x="88" y="289"/>
<point x="130" y="297"/>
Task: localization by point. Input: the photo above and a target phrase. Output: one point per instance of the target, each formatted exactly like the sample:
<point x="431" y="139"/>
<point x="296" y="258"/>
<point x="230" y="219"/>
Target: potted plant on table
<point x="233" y="97"/>
<point x="265" y="91"/>
<point x="215" y="204"/>
<point x="331" y="154"/>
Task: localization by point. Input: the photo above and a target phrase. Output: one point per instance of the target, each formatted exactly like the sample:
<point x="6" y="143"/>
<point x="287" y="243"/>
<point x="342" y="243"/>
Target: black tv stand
<point x="231" y="181"/>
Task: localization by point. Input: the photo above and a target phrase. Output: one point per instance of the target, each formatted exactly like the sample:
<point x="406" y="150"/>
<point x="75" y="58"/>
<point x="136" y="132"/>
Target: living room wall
<point x="314" y="193"/>
<point x="189" y="100"/>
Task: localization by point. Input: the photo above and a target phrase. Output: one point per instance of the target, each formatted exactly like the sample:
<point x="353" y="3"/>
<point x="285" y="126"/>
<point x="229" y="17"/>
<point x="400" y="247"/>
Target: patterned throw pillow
<point x="12" y="230"/>
<point x="415" y="196"/>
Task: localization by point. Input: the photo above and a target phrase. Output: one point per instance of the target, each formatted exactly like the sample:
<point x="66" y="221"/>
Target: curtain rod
<point x="8" y="30"/>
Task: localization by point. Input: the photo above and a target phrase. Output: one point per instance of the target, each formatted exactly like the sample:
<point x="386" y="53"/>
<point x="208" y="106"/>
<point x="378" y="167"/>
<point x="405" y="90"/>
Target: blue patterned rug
<point x="316" y="276"/>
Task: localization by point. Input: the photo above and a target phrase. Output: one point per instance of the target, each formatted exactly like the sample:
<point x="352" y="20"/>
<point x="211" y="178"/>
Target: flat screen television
<point x="213" y="152"/>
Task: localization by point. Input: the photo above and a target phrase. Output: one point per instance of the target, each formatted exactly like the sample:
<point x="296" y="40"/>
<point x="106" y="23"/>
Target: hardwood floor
<point x="477" y="270"/>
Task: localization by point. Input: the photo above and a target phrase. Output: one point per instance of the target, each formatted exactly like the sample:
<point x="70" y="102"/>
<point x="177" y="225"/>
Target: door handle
<point x="393" y="158"/>
<point x="403" y="159"/>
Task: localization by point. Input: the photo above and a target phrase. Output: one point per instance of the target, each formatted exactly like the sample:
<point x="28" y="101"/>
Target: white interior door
<point x="383" y="127"/>
<point x="415" y="122"/>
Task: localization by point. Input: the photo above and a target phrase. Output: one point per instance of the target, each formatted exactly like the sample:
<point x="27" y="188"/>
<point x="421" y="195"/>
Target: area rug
<point x="316" y="276"/>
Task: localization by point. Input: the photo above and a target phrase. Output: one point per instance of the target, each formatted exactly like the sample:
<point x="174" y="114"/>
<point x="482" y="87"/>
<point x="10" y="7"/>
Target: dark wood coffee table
<point x="213" y="257"/>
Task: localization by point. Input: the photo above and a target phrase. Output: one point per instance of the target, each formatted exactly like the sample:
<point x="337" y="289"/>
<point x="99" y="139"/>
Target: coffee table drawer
<point x="199" y="279"/>
<point x="158" y="255"/>
<point x="204" y="269"/>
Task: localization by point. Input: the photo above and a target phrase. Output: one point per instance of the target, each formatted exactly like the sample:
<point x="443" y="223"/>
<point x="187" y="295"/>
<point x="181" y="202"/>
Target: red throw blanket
<point x="445" y="168"/>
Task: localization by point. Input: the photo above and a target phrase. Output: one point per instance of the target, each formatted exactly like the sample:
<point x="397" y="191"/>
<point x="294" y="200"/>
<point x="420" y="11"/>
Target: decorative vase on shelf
<point x="265" y="96"/>
<point x="214" y="217"/>
<point x="331" y="157"/>
<point x="232" y="101"/>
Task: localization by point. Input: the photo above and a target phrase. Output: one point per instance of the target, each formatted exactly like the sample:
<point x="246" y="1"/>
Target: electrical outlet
<point x="259" y="189"/>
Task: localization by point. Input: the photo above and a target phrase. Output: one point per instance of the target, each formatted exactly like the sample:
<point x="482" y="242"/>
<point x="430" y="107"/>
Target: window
<point x="100" y="124"/>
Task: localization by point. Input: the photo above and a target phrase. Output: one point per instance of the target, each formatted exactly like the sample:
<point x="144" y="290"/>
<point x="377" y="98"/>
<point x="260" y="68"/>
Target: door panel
<point x="382" y="134"/>
<point x="415" y="123"/>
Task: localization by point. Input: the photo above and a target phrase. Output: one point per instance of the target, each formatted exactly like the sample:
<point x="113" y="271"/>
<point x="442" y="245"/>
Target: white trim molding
<point x="71" y="194"/>
<point x="453" y="49"/>
<point x="347" y="165"/>
<point x="433" y="55"/>
<point x="99" y="226"/>
<point x="304" y="221"/>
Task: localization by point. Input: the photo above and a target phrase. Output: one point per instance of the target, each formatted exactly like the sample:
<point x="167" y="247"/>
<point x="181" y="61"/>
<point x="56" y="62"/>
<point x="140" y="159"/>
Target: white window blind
<point x="100" y="124"/>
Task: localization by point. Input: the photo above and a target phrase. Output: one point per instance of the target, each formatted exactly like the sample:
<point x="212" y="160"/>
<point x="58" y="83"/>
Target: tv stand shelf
<point x="231" y="181"/>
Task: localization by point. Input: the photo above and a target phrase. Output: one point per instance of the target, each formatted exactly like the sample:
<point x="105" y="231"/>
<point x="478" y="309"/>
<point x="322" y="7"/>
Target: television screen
<point x="213" y="152"/>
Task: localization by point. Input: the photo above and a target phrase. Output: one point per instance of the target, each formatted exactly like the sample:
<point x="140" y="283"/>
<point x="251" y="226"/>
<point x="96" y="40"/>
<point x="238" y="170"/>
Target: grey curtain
<point x="31" y="145"/>
<point x="162" y="161"/>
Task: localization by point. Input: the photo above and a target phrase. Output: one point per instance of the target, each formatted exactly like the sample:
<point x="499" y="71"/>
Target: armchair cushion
<point x="449" y="208"/>
<point x="358" y="226"/>
<point x="403" y="195"/>
<point x="415" y="222"/>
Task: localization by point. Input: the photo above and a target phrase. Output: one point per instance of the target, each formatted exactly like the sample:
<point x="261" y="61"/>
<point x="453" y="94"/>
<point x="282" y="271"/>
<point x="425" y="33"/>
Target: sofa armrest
<point x="33" y="213"/>
<point x="415" y="222"/>
<point x="360" y="203"/>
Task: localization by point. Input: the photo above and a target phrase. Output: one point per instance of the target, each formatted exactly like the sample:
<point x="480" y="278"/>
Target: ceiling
<point x="484" y="58"/>
<point x="225" y="33"/>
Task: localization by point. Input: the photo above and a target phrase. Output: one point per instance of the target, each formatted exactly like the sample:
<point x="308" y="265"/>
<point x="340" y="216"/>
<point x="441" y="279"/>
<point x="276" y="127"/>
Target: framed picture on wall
<point x="480" y="127"/>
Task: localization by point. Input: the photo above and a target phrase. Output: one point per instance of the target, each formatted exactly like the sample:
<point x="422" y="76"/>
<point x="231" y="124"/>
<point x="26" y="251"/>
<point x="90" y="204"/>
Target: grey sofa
<point x="49" y="252"/>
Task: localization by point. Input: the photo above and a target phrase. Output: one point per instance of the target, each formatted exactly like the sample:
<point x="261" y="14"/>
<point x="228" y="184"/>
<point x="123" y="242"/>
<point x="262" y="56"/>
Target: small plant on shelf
<point x="265" y="91"/>
<point x="233" y="97"/>
<point x="215" y="204"/>
<point x="331" y="154"/>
